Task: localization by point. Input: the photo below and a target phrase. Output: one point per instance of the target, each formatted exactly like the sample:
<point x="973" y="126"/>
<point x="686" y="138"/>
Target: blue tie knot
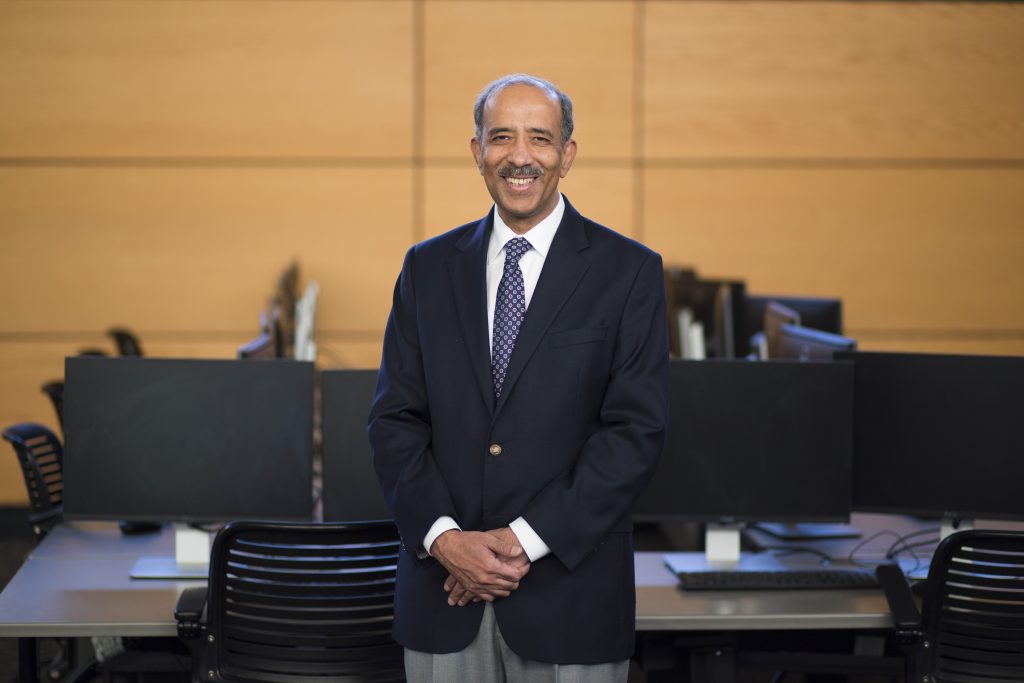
<point x="515" y="248"/>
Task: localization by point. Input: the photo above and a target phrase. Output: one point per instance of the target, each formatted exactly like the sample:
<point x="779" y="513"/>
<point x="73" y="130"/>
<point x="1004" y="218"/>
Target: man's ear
<point x="568" y="155"/>
<point x="478" y="153"/>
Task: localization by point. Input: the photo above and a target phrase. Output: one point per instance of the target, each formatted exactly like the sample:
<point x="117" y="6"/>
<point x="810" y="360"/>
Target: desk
<point x="661" y="606"/>
<point x="76" y="583"/>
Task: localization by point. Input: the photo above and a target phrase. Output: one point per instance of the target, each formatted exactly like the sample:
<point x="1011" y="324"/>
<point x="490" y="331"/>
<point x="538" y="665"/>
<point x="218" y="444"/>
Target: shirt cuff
<point x="443" y="524"/>
<point x="534" y="546"/>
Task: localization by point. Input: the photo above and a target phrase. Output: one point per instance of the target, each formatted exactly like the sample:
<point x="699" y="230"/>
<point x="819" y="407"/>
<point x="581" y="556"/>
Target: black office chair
<point x="296" y="603"/>
<point x="55" y="392"/>
<point x="971" y="624"/>
<point x="41" y="458"/>
<point x="126" y="341"/>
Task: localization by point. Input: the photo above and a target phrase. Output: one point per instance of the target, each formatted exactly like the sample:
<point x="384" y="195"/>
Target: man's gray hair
<point x="523" y="79"/>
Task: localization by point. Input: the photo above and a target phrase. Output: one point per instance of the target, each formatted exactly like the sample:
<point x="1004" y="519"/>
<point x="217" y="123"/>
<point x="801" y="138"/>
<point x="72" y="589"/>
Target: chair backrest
<point x="973" y="611"/>
<point x="42" y="463"/>
<point x="55" y="390"/>
<point x="302" y="602"/>
<point x="126" y="341"/>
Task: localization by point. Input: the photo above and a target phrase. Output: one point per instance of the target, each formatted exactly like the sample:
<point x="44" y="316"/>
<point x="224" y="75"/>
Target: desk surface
<point x="661" y="606"/>
<point x="76" y="583"/>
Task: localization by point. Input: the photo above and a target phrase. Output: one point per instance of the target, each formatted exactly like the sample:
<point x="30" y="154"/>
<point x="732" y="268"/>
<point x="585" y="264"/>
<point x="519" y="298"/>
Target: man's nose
<point x="521" y="154"/>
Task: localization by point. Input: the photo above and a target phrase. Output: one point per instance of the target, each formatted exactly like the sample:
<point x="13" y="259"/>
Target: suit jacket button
<point x="495" y="449"/>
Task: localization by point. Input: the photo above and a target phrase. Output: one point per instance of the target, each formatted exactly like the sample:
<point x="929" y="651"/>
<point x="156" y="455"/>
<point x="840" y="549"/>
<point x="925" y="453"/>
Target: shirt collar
<point x="540" y="236"/>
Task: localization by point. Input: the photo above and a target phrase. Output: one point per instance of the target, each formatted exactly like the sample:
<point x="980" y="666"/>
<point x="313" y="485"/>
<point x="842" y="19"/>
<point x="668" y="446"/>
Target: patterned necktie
<point x="509" y="309"/>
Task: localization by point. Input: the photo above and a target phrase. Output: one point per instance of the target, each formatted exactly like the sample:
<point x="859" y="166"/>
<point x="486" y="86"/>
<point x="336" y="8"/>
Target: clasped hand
<point x="481" y="565"/>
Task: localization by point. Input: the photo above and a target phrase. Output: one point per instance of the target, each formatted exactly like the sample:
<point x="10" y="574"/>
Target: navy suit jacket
<point x="581" y="423"/>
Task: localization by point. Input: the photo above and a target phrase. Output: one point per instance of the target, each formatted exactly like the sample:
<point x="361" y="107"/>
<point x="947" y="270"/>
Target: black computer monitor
<point x="755" y="442"/>
<point x="187" y="441"/>
<point x="282" y="306"/>
<point x="802" y="343"/>
<point x="775" y="316"/>
<point x="350" y="488"/>
<point x="820" y="313"/>
<point x="270" y="342"/>
<point x="261" y="347"/>
<point x="718" y="305"/>
<point x="938" y="435"/>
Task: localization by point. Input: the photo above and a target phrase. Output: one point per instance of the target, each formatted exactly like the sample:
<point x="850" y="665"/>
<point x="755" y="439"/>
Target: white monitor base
<point x="951" y="525"/>
<point x="191" y="557"/>
<point x="165" y="567"/>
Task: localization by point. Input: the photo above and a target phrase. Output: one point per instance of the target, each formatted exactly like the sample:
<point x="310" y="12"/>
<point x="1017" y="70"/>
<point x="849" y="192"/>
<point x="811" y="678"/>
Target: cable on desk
<point x="895" y="549"/>
<point x="851" y="558"/>
<point x="919" y="544"/>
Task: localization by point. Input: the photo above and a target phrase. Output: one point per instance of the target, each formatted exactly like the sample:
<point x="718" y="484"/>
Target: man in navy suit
<point x="521" y="406"/>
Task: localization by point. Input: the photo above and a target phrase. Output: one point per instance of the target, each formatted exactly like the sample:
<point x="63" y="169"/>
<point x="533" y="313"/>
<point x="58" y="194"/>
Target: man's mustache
<point x="520" y="171"/>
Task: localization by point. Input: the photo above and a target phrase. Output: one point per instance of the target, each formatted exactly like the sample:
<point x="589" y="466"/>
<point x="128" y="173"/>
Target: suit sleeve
<point x="575" y="511"/>
<point x="399" y="425"/>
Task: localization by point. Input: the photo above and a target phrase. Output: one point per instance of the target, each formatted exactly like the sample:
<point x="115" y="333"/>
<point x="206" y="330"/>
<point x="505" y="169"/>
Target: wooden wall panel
<point x="906" y="250"/>
<point x="946" y="344"/>
<point x="161" y="162"/>
<point x="834" y="79"/>
<point x="584" y="47"/>
<point x="454" y="196"/>
<point x="152" y="78"/>
<point x="333" y="354"/>
<point x="23" y="369"/>
<point x="196" y="248"/>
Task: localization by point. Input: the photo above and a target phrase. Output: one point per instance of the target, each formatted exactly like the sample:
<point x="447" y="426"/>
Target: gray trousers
<point x="489" y="660"/>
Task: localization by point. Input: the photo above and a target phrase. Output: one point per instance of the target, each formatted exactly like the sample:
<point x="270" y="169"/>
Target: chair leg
<point x="83" y="673"/>
<point x="61" y="662"/>
<point x="28" y="661"/>
<point x="713" y="665"/>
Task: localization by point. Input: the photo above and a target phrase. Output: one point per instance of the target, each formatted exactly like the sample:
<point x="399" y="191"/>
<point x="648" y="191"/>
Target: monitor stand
<point x="951" y="525"/>
<point x="722" y="553"/>
<point x="807" y="531"/>
<point x="722" y="544"/>
<point x="191" y="557"/>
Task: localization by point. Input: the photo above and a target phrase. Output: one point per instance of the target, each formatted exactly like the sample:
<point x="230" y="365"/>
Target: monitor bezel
<point x="923" y="511"/>
<point x="824" y="345"/>
<point x="781" y="366"/>
<point x="76" y="511"/>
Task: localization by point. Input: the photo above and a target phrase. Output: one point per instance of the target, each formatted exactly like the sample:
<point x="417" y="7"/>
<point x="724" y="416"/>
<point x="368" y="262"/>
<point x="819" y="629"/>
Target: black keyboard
<point x="788" y="579"/>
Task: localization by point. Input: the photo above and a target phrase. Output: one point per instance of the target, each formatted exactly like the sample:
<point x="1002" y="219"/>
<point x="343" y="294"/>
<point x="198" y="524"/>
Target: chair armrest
<point x="189" y="611"/>
<point x="905" y="615"/>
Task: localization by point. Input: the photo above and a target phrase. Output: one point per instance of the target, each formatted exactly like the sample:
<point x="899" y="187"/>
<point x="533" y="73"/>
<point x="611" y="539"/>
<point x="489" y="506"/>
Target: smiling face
<point x="521" y="155"/>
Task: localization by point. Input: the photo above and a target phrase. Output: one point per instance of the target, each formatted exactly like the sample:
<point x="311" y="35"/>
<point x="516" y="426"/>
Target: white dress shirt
<point x="531" y="263"/>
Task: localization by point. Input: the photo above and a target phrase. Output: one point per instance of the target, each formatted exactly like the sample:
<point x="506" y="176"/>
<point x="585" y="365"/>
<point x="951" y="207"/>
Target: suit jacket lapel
<point x="563" y="269"/>
<point x="467" y="266"/>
